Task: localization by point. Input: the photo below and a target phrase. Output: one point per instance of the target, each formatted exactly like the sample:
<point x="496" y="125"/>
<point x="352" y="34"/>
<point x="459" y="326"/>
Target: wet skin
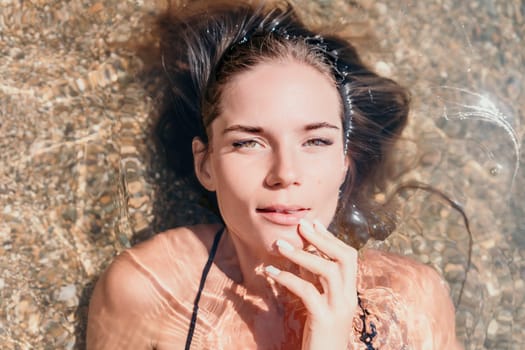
<point x="144" y="301"/>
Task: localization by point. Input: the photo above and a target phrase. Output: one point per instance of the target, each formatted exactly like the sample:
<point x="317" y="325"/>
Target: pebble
<point x="419" y="245"/>
<point x="67" y="293"/>
<point x="33" y="323"/>
<point x="135" y="187"/>
<point x="454" y="272"/>
<point x="438" y="246"/>
<point x="431" y="158"/>
<point x="137" y="202"/>
<point x="492" y="329"/>
<point x="493" y="288"/>
<point x="520" y="314"/>
<point x="381" y="8"/>
<point x="436" y="258"/>
<point x="505" y="317"/>
<point x="383" y="68"/>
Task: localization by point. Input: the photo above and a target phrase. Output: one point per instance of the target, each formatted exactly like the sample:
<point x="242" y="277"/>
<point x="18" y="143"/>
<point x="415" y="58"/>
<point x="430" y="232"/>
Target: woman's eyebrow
<point x="243" y="128"/>
<point x="259" y="130"/>
<point x="315" y="126"/>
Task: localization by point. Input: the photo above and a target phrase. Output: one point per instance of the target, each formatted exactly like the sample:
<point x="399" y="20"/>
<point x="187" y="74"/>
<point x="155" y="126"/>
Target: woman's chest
<point x="226" y="325"/>
<point x="251" y="325"/>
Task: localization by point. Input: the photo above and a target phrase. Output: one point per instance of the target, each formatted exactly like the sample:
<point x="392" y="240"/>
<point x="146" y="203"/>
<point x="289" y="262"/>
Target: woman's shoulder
<point x="145" y="283"/>
<point x="401" y="273"/>
<point x="413" y="289"/>
<point x="185" y="240"/>
<point x="160" y="264"/>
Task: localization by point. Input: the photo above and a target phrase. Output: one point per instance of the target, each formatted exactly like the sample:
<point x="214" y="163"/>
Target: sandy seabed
<point x="81" y="178"/>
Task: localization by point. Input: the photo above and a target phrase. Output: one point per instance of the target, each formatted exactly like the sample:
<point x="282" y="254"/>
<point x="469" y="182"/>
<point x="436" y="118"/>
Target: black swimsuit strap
<point x="205" y="271"/>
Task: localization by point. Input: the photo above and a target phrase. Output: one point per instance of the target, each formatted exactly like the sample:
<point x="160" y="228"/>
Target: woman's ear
<point x="201" y="163"/>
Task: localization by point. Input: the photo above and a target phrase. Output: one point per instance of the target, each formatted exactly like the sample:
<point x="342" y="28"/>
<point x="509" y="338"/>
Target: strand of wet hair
<point x="366" y="337"/>
<point x="415" y="185"/>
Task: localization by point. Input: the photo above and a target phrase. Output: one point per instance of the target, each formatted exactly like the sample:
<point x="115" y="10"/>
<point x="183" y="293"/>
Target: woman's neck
<point x="284" y="312"/>
<point x="251" y="264"/>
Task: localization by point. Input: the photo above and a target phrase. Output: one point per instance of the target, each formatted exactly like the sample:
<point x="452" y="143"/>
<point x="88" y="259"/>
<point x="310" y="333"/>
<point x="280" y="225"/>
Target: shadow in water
<point x="81" y="314"/>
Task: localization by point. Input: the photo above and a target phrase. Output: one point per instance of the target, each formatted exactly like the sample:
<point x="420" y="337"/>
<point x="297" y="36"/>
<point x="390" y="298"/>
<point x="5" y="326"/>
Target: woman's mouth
<point x="285" y="215"/>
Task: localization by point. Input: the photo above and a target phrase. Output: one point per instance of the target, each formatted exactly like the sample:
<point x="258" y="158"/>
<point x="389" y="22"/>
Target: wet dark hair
<point x="205" y="44"/>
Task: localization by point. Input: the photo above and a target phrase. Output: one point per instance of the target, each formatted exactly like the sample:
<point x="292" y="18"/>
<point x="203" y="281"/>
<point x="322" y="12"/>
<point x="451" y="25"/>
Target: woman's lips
<point x="283" y="215"/>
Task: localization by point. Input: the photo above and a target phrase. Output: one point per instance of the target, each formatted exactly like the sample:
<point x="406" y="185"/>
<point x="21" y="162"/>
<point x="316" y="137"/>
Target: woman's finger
<point x="313" y="263"/>
<point x="327" y="243"/>
<point x="329" y="273"/>
<point x="344" y="256"/>
<point x="306" y="291"/>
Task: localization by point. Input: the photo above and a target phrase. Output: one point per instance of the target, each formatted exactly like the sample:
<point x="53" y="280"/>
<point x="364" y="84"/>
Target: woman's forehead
<point x="281" y="93"/>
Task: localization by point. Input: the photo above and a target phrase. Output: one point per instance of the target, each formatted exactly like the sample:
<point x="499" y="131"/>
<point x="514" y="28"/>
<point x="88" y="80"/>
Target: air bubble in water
<point x="495" y="170"/>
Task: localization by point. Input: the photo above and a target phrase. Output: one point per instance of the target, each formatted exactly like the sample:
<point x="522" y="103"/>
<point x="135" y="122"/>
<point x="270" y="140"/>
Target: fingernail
<point x="282" y="244"/>
<point x="306" y="226"/>
<point x="272" y="270"/>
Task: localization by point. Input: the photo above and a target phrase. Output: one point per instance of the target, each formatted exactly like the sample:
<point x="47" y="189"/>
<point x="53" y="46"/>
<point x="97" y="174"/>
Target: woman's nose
<point x="285" y="170"/>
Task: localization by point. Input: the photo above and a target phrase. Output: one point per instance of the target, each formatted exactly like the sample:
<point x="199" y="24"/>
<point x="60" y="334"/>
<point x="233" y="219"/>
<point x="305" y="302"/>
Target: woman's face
<point x="276" y="152"/>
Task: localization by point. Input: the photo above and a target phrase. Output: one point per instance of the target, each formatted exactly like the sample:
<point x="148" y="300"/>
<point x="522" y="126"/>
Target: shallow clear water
<point x="80" y="177"/>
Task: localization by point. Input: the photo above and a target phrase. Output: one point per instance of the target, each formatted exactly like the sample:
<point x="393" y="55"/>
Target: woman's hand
<point x="330" y="310"/>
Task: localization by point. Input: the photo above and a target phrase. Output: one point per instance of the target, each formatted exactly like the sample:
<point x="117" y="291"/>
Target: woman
<point x="288" y="129"/>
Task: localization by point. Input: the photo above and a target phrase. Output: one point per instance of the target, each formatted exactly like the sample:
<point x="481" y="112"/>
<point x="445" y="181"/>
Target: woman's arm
<point x="144" y="300"/>
<point x="118" y="310"/>
<point x="422" y="299"/>
<point x="431" y="306"/>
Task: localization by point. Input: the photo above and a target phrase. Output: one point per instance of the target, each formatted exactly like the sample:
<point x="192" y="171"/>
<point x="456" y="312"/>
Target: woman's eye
<point x="318" y="142"/>
<point x="245" y="144"/>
